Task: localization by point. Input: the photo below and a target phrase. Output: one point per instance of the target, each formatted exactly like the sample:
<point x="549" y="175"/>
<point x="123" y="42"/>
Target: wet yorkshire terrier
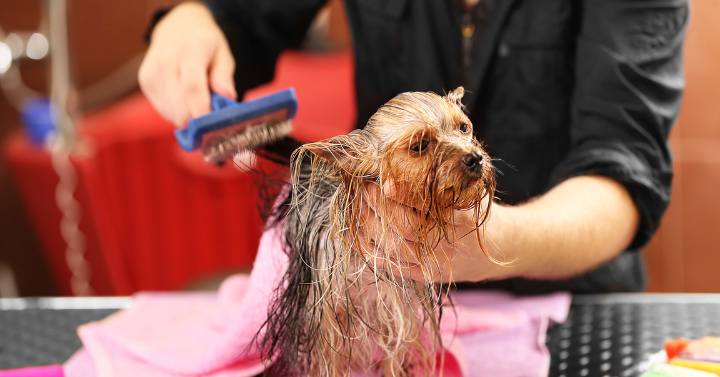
<point x="344" y="305"/>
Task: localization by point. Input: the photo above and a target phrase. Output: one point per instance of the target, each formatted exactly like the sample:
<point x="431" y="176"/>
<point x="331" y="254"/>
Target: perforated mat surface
<point x="614" y="335"/>
<point x="605" y="335"/>
<point x="42" y="331"/>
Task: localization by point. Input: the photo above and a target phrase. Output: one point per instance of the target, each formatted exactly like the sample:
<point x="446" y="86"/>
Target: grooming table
<point x="605" y="335"/>
<point x="41" y="331"/>
<point x="613" y="335"/>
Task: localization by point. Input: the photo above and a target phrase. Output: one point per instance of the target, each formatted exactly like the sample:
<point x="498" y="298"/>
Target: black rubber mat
<point x="605" y="335"/>
<point x="615" y="335"/>
<point x="40" y="336"/>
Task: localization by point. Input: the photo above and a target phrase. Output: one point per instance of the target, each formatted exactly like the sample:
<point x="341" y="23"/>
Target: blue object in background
<point x="38" y="120"/>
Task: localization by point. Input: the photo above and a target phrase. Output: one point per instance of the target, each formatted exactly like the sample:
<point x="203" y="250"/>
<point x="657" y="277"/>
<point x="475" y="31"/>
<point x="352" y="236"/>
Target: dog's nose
<point x="472" y="160"/>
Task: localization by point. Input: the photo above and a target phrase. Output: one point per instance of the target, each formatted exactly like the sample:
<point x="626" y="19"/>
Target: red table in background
<point x="156" y="218"/>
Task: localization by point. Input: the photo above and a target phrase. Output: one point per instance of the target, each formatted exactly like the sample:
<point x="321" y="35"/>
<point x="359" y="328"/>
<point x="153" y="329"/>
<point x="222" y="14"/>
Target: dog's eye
<point x="420" y="146"/>
<point x="464" y="127"/>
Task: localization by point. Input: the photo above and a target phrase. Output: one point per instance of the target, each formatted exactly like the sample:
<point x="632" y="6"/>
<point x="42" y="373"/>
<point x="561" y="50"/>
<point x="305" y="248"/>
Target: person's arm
<point x="628" y="86"/>
<point x="610" y="192"/>
<point x="578" y="225"/>
<point x="581" y="223"/>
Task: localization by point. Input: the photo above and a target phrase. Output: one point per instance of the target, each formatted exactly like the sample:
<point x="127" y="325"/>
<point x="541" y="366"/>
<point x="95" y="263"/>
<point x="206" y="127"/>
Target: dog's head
<point x="421" y="142"/>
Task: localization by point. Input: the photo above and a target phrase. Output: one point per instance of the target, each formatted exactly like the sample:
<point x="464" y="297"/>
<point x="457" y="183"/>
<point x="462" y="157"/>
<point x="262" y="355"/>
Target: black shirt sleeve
<point x="258" y="30"/>
<point x="629" y="81"/>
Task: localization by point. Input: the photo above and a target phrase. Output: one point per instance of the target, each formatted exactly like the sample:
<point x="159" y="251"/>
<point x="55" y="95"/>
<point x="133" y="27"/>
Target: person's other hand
<point x="188" y="57"/>
<point x="457" y="259"/>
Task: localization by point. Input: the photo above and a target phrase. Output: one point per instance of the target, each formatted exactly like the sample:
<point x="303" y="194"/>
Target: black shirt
<point x="556" y="89"/>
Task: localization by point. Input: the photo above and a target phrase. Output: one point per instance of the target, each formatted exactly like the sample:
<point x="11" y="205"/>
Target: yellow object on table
<point x="699" y="365"/>
<point x="666" y="370"/>
<point x="701" y="354"/>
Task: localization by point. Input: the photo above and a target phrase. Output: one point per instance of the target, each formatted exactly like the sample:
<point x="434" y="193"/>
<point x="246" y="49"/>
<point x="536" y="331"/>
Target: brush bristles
<point x="245" y="160"/>
<point x="246" y="139"/>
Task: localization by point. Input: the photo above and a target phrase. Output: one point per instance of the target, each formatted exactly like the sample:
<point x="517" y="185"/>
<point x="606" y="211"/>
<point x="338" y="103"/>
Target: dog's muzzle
<point x="472" y="163"/>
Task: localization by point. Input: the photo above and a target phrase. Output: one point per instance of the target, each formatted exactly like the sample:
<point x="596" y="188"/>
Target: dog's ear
<point x="353" y="153"/>
<point x="455" y="96"/>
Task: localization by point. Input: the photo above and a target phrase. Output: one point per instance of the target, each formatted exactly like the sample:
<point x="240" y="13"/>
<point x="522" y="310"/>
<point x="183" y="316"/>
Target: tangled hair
<point x="344" y="303"/>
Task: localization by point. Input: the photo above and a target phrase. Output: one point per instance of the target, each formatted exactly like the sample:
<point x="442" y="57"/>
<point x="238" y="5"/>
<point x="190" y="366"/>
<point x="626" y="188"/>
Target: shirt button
<point x="503" y="50"/>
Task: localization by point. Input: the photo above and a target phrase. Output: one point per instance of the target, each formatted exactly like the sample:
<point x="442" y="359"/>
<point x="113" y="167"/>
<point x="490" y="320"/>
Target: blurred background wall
<point x="685" y="254"/>
<point x="106" y="42"/>
<point x="106" y="36"/>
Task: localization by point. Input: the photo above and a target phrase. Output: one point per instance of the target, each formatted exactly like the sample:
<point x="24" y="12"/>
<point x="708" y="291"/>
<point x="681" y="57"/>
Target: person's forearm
<point x="575" y="227"/>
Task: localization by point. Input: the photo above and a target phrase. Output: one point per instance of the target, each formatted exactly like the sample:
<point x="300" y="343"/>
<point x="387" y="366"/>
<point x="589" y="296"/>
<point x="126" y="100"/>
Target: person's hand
<point x="457" y="259"/>
<point x="188" y="57"/>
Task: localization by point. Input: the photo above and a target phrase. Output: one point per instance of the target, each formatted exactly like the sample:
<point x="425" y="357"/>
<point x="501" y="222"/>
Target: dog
<point x="344" y="305"/>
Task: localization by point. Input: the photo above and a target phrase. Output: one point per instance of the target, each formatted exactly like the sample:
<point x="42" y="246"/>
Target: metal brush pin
<point x="221" y="149"/>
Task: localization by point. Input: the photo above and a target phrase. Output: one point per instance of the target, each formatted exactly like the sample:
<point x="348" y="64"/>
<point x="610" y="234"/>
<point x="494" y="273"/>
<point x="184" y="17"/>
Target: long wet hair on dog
<point x="346" y="303"/>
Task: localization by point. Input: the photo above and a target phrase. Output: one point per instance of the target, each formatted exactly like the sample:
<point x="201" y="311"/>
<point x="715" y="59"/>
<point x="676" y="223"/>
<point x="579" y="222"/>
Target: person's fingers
<point x="388" y="191"/>
<point x="372" y="195"/>
<point x="174" y="97"/>
<point x="375" y="238"/>
<point x="156" y="78"/>
<point x="387" y="250"/>
<point x="401" y="219"/>
<point x="222" y="71"/>
<point x="174" y="75"/>
<point x="194" y="82"/>
<point x="148" y="78"/>
<point x="389" y="188"/>
<point x="384" y="241"/>
<point x="391" y="232"/>
<point x="379" y="200"/>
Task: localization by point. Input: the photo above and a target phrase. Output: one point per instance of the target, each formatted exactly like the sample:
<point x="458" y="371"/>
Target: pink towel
<point x="44" y="371"/>
<point x="186" y="334"/>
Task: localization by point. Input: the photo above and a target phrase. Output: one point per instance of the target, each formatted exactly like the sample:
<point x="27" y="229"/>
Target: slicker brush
<point x="236" y="129"/>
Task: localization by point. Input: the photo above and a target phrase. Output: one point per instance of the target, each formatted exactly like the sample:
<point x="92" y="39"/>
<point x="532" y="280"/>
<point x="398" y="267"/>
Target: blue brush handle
<point x="227" y="113"/>
<point x="218" y="102"/>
